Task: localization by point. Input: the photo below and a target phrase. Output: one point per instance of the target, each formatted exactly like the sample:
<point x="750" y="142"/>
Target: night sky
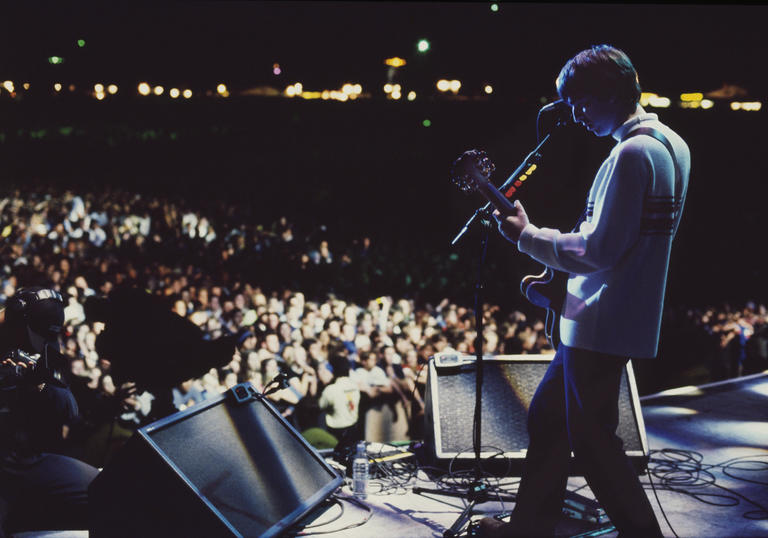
<point x="519" y="49"/>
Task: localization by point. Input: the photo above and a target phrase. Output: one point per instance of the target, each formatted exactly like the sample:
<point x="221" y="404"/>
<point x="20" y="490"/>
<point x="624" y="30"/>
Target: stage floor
<point x="709" y="456"/>
<point x="709" y="459"/>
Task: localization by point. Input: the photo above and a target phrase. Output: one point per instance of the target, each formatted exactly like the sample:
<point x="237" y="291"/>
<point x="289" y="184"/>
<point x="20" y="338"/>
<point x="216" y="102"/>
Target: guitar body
<point x="547" y="290"/>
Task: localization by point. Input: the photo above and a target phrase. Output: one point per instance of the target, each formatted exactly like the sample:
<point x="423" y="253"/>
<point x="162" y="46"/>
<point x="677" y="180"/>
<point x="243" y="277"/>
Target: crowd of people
<point x="301" y="302"/>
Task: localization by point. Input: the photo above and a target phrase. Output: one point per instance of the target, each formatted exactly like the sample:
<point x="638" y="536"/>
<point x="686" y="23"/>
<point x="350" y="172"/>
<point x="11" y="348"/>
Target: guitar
<point x="471" y="172"/>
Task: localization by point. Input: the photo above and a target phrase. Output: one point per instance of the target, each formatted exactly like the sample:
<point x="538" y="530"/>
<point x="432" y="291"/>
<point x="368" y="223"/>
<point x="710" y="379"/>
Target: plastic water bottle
<point x="360" y="472"/>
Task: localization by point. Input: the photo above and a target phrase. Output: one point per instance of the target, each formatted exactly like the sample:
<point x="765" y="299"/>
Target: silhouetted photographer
<point x="39" y="487"/>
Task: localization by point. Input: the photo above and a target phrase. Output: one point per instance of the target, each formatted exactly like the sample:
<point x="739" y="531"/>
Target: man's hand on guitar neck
<point x="511" y="226"/>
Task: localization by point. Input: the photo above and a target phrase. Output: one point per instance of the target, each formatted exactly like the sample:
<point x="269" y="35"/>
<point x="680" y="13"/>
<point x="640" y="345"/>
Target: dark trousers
<point x="575" y="408"/>
<point x="50" y="492"/>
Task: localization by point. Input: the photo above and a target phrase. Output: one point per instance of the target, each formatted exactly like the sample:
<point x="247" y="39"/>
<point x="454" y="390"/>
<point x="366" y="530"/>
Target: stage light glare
<point x="495" y="7"/>
<point x="426" y="123"/>
<point x="187" y="94"/>
<point x="488" y="89"/>
<point x="348" y="89"/>
<point x="358" y="89"/>
<point x="299" y="88"/>
<point x="423" y="45"/>
<point x="81" y="43"/>
<point x="735" y="105"/>
<point x="8" y="85"/>
<point x="158" y="90"/>
<point x="443" y="85"/>
<point x="411" y="95"/>
<point x="98" y="88"/>
<point x="174" y="93"/>
<point x="112" y="89"/>
<point x="388" y="88"/>
<point x="57" y="87"/>
<point x="221" y="89"/>
<point x="100" y="96"/>
<point x="753" y="106"/>
<point x="144" y="89"/>
<point x="455" y="86"/>
<point x="707" y="103"/>
<point x="396" y="95"/>
<point x="290" y="91"/>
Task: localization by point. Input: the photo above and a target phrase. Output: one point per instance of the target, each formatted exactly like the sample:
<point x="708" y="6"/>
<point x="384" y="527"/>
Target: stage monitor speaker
<point x="230" y="466"/>
<point x="509" y="383"/>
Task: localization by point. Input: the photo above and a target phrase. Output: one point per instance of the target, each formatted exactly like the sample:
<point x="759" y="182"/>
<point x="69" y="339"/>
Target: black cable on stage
<point x="682" y="470"/>
<point x="338" y="497"/>
<point x="655" y="494"/>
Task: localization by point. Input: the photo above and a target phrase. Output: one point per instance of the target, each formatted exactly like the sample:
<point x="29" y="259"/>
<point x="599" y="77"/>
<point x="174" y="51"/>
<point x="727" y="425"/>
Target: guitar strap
<point x="658" y="135"/>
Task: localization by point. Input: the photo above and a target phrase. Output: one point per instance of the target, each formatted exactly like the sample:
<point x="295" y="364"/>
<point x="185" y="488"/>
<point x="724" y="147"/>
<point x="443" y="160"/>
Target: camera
<point x="27" y="369"/>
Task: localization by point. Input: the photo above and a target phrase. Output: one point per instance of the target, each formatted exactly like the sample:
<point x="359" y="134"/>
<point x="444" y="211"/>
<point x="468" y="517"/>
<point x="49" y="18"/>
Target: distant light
<point x="688" y="97"/>
<point x="443" y="85"/>
<point x="187" y="94"/>
<point x="395" y="61"/>
<point x="690" y="104"/>
<point x="8" y="85"/>
<point x="494" y="7"/>
<point x="112" y="89"/>
<point x="100" y="96"/>
<point x="659" y="102"/>
<point x="71" y="87"/>
<point x="411" y="95"/>
<point x="55" y="60"/>
<point x="144" y="89"/>
<point x="358" y="89"/>
<point x="751" y="106"/>
<point x="388" y="88"/>
<point x="26" y="85"/>
<point x="299" y="88"/>
<point x="174" y="93"/>
<point x="221" y="89"/>
<point x="426" y="123"/>
<point x="81" y="43"/>
<point x="290" y="91"/>
<point x="348" y="89"/>
<point x="396" y="94"/>
<point x="158" y="90"/>
<point x="707" y="103"/>
<point x="455" y="86"/>
<point x="645" y="98"/>
<point x="325" y="95"/>
<point x="98" y="88"/>
<point x="276" y="69"/>
<point x="423" y="45"/>
<point x="57" y="87"/>
<point x="488" y="89"/>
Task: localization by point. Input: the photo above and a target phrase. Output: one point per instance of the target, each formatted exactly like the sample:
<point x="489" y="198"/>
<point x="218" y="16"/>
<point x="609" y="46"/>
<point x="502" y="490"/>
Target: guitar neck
<point x="498" y="200"/>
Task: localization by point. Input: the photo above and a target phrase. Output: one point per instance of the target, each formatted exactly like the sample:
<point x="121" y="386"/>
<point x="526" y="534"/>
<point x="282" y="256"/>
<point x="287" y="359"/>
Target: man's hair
<point x="601" y="71"/>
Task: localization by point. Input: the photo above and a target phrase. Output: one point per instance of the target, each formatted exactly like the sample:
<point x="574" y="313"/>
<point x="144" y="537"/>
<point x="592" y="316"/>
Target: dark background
<point x="370" y="167"/>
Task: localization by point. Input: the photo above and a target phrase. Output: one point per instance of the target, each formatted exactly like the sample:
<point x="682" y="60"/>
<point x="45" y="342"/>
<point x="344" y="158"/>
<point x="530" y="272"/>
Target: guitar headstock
<point x="471" y="169"/>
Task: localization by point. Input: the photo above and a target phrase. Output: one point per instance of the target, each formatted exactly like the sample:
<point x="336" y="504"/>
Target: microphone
<point x="556" y="106"/>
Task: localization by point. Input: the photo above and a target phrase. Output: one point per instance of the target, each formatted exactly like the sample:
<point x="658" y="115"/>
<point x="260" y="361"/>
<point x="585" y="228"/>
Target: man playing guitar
<point x="617" y="263"/>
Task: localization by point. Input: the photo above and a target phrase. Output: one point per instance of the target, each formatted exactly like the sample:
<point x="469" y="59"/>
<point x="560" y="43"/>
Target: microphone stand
<point x="477" y="491"/>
